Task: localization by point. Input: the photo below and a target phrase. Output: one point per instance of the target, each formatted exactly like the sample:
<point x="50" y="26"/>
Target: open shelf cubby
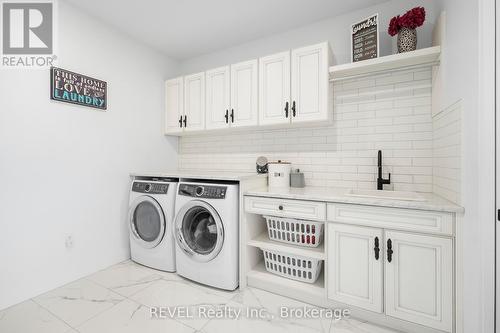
<point x="259" y="277"/>
<point x="262" y="241"/>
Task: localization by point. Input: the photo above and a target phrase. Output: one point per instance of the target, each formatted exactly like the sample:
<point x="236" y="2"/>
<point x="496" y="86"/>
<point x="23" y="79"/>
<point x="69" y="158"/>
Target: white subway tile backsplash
<point x="355" y="84"/>
<point x="393" y="128"/>
<point x="378" y="105"/>
<point x="447" y="153"/>
<point x="391" y="112"/>
<point x="422" y="75"/>
<point x="394" y="112"/>
<point x="419" y="119"/>
<point x="413" y="102"/>
<point x="395" y="78"/>
<point x="413" y="136"/>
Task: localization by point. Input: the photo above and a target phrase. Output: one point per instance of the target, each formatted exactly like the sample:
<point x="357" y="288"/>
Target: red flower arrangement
<point x="412" y="19"/>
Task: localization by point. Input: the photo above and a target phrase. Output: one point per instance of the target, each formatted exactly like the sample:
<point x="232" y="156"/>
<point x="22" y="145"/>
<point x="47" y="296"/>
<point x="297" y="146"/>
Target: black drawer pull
<point x="280" y="207"/>
<point x="227" y="116"/>
<point x="293" y="109"/>
<point x="180" y="122"/>
<point x="286" y="109"/>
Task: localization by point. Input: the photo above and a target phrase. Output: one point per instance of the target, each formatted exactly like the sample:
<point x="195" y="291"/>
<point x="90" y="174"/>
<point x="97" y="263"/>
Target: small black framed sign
<point x="365" y="39"/>
<point x="74" y="88"/>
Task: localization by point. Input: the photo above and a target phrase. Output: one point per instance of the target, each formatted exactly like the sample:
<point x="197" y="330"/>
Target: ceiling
<point x="184" y="29"/>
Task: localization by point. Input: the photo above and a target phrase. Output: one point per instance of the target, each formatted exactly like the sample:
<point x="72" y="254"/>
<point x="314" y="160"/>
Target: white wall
<point x="65" y="169"/>
<point x="460" y="65"/>
<point x="335" y="30"/>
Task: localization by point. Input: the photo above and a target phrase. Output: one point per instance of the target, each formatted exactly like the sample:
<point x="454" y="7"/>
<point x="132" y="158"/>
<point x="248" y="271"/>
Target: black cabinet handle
<point x="185" y="120"/>
<point x="389" y="250"/>
<point x="227" y="116"/>
<point x="286" y="109"/>
<point x="180" y="122"/>
<point x="232" y="115"/>
<point x="293" y="109"/>
<point x="280" y="207"/>
<point x="376" y="249"/>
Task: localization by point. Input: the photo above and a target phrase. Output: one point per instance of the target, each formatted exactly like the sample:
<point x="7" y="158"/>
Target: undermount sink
<point x="391" y="195"/>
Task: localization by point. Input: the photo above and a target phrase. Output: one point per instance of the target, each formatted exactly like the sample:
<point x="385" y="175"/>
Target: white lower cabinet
<point x="355" y="269"/>
<point x="419" y="279"/>
<point x="410" y="279"/>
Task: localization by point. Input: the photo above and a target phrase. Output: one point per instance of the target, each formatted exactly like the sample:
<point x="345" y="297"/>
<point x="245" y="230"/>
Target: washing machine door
<point x="147" y="221"/>
<point x="199" y="231"/>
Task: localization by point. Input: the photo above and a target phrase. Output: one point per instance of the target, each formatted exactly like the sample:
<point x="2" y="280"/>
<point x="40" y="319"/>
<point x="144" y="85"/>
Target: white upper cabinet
<point x="218" y="98"/>
<point x="419" y="279"/>
<point x="293" y="86"/>
<point x="310" y="78"/>
<point x="174" y="104"/>
<point x="355" y="269"/>
<point x="244" y="94"/>
<point x="283" y="88"/>
<point x="194" y="102"/>
<point x="274" y="89"/>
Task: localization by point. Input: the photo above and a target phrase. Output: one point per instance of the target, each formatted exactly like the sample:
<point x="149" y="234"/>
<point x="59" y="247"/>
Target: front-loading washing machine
<point x="206" y="233"/>
<point x="150" y="220"/>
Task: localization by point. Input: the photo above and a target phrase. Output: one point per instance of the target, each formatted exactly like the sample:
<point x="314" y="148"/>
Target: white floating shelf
<point x="428" y="56"/>
<point x="262" y="241"/>
<point x="259" y="277"/>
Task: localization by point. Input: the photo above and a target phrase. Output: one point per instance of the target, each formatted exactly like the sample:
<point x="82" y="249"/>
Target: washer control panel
<point x="151" y="188"/>
<point x="203" y="191"/>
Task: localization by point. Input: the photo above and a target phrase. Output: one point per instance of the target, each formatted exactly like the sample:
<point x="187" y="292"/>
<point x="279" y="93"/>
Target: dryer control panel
<point x="203" y="191"/>
<point x="151" y="188"/>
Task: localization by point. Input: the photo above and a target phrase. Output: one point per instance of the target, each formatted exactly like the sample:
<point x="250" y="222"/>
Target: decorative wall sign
<point x="364" y="39"/>
<point x="74" y="88"/>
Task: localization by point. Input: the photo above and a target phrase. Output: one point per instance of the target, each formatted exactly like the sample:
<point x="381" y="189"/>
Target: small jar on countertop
<point x="279" y="174"/>
<point x="297" y="179"/>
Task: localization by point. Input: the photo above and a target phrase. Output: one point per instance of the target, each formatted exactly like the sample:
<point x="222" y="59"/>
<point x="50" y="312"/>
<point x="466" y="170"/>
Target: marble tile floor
<point x="129" y="298"/>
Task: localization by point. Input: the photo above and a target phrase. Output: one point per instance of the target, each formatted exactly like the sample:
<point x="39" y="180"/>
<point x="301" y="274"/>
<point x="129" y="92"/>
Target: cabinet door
<point x="174" y="105"/>
<point x="310" y="83"/>
<point x="218" y="97"/>
<point x="355" y="272"/>
<point x="244" y="94"/>
<point x="419" y="279"/>
<point x="194" y="102"/>
<point x="274" y="89"/>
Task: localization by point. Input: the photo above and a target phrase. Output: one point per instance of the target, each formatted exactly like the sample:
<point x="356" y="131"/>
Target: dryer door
<point x="147" y="221"/>
<point x="199" y="231"/>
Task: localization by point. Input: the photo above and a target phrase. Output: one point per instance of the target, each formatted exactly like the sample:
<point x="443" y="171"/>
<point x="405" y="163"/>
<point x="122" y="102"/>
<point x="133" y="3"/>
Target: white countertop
<point x="337" y="194"/>
<point x="201" y="174"/>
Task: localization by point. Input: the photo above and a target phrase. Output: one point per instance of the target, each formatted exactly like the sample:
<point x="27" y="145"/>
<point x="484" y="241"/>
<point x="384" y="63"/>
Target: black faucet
<point x="381" y="181"/>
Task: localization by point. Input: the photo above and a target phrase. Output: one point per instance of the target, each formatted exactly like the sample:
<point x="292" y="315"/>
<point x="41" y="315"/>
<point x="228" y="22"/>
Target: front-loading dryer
<point x="206" y="233"/>
<point x="150" y="220"/>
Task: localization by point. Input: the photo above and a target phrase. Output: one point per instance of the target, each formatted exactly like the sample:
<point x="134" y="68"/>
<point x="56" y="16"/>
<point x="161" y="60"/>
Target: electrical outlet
<point x="69" y="242"/>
